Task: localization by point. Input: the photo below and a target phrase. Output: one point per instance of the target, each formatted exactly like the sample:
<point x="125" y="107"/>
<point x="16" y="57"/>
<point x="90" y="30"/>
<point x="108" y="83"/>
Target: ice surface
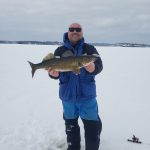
<point x="31" y="112"/>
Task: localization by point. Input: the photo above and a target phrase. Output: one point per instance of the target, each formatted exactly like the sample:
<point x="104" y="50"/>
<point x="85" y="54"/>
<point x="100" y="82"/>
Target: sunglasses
<point x="75" y="29"/>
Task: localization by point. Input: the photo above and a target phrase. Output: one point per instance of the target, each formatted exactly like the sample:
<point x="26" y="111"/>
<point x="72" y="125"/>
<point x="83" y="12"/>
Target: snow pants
<point x="92" y="124"/>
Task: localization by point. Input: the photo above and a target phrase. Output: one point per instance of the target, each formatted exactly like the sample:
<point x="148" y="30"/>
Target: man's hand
<point x="53" y="72"/>
<point x="90" y="67"/>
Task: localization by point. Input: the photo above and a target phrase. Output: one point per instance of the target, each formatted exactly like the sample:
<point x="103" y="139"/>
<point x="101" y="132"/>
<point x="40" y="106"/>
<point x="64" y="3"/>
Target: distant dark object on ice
<point x="134" y="140"/>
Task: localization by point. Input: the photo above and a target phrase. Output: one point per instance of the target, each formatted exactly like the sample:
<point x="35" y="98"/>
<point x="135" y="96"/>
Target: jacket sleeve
<point x="56" y="53"/>
<point x="98" y="63"/>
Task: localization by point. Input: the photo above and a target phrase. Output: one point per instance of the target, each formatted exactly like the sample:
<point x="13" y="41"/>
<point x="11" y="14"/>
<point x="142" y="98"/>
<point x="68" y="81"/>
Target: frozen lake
<point x="31" y="112"/>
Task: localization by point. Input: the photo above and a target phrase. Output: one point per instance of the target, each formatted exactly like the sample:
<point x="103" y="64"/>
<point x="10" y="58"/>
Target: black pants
<point x="92" y="134"/>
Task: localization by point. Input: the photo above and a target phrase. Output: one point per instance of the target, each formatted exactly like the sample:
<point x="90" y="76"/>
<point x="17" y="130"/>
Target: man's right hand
<point x="53" y="72"/>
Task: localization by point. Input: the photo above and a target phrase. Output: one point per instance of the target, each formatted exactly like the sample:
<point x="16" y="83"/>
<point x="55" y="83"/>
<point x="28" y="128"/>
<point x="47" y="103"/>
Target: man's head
<point x="75" y="33"/>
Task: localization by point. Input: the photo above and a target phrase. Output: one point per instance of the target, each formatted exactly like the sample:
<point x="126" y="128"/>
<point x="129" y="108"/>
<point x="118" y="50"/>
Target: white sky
<point x="103" y="21"/>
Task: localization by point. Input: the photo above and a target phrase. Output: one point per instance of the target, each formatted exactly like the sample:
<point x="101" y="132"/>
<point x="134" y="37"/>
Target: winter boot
<point x="73" y="134"/>
<point x="92" y="134"/>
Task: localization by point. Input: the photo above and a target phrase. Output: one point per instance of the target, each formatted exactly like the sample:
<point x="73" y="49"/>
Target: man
<point x="78" y="92"/>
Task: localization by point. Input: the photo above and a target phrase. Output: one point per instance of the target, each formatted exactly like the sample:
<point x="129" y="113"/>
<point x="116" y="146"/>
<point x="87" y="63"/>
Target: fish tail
<point x="33" y="68"/>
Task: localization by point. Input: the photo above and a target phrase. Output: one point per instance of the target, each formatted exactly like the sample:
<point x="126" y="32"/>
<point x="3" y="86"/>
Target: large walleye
<point x="64" y="64"/>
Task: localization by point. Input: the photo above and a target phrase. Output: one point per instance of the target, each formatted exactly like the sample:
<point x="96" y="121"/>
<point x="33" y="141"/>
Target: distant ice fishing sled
<point x="134" y="140"/>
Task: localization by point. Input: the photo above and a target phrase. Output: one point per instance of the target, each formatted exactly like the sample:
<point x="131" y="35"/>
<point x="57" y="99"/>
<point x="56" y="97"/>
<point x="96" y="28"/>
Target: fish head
<point x="89" y="59"/>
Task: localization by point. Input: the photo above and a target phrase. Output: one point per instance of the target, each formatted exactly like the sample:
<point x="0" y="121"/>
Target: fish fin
<point x="33" y="68"/>
<point x="80" y="65"/>
<point x="57" y="56"/>
<point x="67" y="53"/>
<point x="76" y="70"/>
<point x="96" y="55"/>
<point x="85" y="54"/>
<point x="46" y="69"/>
<point x="48" y="57"/>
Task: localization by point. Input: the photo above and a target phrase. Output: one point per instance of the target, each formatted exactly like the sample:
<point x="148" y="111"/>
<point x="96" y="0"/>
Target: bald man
<point x="78" y="92"/>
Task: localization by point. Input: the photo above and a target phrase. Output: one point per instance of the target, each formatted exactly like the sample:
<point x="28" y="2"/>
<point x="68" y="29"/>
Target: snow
<point x="31" y="112"/>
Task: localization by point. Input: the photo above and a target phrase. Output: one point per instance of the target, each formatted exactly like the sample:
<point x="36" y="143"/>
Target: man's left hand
<point x="90" y="68"/>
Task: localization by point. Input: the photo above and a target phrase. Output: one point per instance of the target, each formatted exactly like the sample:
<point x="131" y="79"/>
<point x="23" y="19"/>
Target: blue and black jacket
<point x="74" y="87"/>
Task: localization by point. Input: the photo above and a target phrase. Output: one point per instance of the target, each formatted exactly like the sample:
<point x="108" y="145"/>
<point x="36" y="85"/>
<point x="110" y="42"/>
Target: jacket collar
<point x="68" y="44"/>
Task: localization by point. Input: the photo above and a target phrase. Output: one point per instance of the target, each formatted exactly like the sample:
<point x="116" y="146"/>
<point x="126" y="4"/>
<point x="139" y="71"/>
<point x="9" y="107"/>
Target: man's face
<point x="75" y="33"/>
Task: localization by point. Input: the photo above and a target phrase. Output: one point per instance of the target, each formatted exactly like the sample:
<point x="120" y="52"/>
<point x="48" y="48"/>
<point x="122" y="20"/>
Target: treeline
<point x="60" y="43"/>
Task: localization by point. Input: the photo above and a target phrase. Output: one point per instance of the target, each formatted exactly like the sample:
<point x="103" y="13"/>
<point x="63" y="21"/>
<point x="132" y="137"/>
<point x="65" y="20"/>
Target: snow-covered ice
<point x="31" y="112"/>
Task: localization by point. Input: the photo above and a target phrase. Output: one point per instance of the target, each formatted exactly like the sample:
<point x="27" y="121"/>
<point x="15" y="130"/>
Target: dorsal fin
<point x="48" y="56"/>
<point x="67" y="53"/>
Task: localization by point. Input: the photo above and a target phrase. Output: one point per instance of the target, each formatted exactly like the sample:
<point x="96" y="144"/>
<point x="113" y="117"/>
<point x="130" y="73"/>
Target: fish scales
<point x="63" y="64"/>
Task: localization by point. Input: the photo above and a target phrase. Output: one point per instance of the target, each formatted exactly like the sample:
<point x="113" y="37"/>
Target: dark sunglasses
<point x="75" y="29"/>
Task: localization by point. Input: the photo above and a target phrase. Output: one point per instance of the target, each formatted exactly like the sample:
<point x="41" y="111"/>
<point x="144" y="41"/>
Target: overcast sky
<point x="110" y="21"/>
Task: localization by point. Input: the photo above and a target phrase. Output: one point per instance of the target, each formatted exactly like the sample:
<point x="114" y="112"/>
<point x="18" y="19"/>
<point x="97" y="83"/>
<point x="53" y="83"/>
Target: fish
<point x="64" y="64"/>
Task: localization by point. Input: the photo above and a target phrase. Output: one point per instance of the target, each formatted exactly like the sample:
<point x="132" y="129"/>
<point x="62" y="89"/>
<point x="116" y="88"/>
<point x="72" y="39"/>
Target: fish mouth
<point x="86" y="64"/>
<point x="94" y="59"/>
